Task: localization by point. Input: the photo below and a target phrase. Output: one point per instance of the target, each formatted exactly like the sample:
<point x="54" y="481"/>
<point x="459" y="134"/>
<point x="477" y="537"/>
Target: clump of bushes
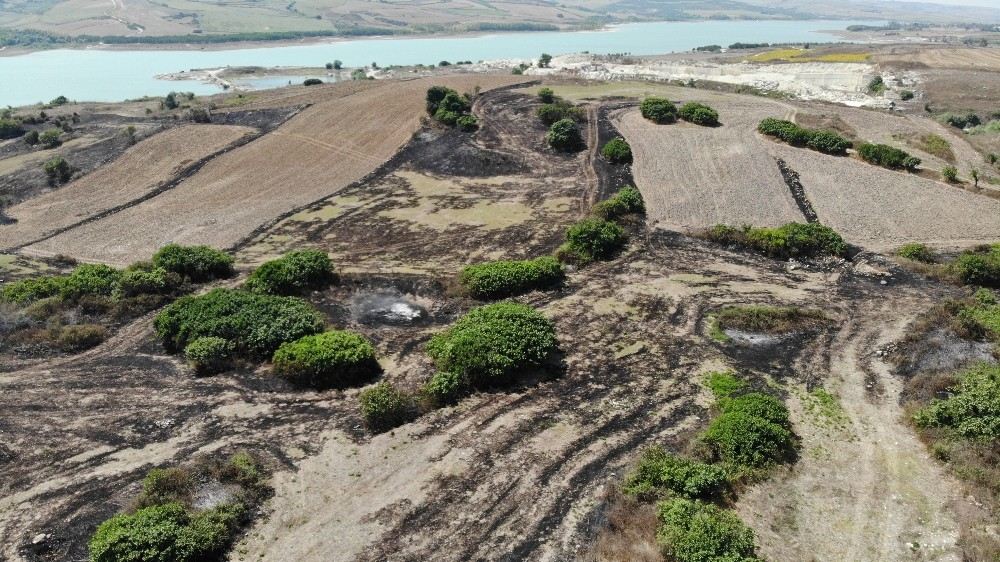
<point x="792" y="240"/>
<point x="887" y="156"/>
<point x="197" y="263"/>
<point x="444" y="388"/>
<point x="140" y="280"/>
<point x="311" y="82"/>
<point x="659" y="110"/>
<point x="950" y="174"/>
<point x="293" y="273"/>
<point x="627" y="201"/>
<point x="493" y="343"/>
<point x="51" y="138"/>
<point x="978" y="267"/>
<point x="741" y="439"/>
<point x="592" y="239"/>
<point x="57" y="170"/>
<point x="699" y="114"/>
<point x="564" y="136"/>
<point x="558" y="110"/>
<point x="617" y="151"/>
<point x="10" y="129"/>
<point x="973" y="409"/>
<point x="384" y="406"/>
<point x="826" y="142"/>
<point x="546" y="95"/>
<point x="501" y="279"/>
<point x="692" y="531"/>
<point x="661" y="474"/>
<point x="916" y="252"/>
<point x="467" y="123"/>
<point x="78" y="337"/>
<point x="333" y="359"/>
<point x="446" y="105"/>
<point x="209" y="355"/>
<point x="256" y="324"/>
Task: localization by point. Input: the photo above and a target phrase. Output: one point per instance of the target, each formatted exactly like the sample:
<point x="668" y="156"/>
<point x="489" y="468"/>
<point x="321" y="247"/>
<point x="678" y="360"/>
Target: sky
<point x="982" y="3"/>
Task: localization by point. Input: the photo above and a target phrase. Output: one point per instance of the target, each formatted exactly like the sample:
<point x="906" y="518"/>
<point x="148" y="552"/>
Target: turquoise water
<point x="114" y="75"/>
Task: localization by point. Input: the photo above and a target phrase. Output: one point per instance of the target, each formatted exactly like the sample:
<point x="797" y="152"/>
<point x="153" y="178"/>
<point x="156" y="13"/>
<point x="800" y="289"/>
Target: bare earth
<point x="320" y="151"/>
<point x="140" y="170"/>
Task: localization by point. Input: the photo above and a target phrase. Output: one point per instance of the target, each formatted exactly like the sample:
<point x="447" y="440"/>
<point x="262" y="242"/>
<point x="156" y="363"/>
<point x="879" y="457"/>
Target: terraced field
<point x="315" y="154"/>
<point x="138" y="173"/>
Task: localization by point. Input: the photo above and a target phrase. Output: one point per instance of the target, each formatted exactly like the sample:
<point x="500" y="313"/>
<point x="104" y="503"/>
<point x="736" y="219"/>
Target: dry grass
<point x="769" y="319"/>
<point x="945" y="58"/>
<point x="629" y="532"/>
<point x="141" y="169"/>
<point x="807" y="55"/>
<point x="315" y="154"/>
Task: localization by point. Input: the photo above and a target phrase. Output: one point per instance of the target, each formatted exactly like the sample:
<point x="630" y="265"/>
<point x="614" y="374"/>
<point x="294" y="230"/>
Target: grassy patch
<point x="662" y="474"/>
<point x="806" y="55"/>
<point x="769" y="319"/>
<point x="724" y="384"/>
<point x="936" y="145"/>
<point x="916" y="252"/>
<point x="501" y="279"/>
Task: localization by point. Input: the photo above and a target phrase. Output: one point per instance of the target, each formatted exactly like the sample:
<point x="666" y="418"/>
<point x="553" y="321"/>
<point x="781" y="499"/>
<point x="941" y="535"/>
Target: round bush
<point x="828" y="143"/>
<point x="660" y="473"/>
<point x="760" y="405"/>
<point x="210" y="355"/>
<point x="492" y="343"/>
<point x="256" y="324"/>
<point x="444" y="387"/>
<point x="329" y="360"/>
<point x="467" y="123"/>
<point x="90" y="279"/>
<point x="627" y="201"/>
<point x="546" y="95"/>
<point x="617" y="151"/>
<point x="292" y="274"/>
<point x="594" y="239"/>
<point x="500" y="279"/>
<point x="564" y="136"/>
<point x="746" y="440"/>
<point x="699" y="114"/>
<point x="384" y="406"/>
<point x="311" y="82"/>
<point x="157" y="281"/>
<point x="161" y="533"/>
<point x="692" y="531"/>
<point x="197" y="263"/>
<point x="79" y="337"/>
<point x="916" y="252"/>
<point x="660" y="110"/>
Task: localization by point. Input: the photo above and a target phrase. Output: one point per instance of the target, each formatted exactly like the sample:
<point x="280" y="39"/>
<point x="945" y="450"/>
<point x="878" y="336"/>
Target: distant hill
<point x="163" y="21"/>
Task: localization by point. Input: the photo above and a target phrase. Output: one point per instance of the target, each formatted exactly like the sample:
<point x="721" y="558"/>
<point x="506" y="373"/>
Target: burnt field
<point x="527" y="471"/>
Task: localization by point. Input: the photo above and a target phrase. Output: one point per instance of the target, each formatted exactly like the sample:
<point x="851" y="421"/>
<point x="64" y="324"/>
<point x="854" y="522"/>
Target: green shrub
<point x="445" y="387"/>
<point x="786" y="241"/>
<point x="163" y="533"/>
<point x="166" y="485"/>
<point x="197" y="263"/>
<point x="826" y="142"/>
<point x="660" y="474"/>
<point x="209" y="355"/>
<point x="467" y="123"/>
<point x="745" y="440"/>
<point x="384" y="406"/>
<point x="626" y="201"/>
<point x="876" y="86"/>
<point x="617" y="151"/>
<point x="973" y="409"/>
<point x="311" y="82"/>
<point x="10" y="129"/>
<point x="256" y="324"/>
<point x="446" y="117"/>
<point x="50" y="138"/>
<point x="446" y="105"/>
<point x="78" y="337"/>
<point x="978" y="268"/>
<point x="559" y="110"/>
<point x="157" y="281"/>
<point x="293" y="273"/>
<point x="916" y="252"/>
<point x="593" y="239"/>
<point x="90" y="279"/>
<point x="546" y="95"/>
<point x="564" y="136"/>
<point x="435" y="94"/>
<point x="57" y="170"/>
<point x="332" y="359"/>
<point x="500" y="279"/>
<point x="26" y="291"/>
<point x="906" y="95"/>
<point x="492" y="343"/>
<point x="31" y="138"/>
<point x="887" y="156"/>
<point x="950" y="174"/>
<point x="692" y="531"/>
<point x="759" y="405"/>
<point x="660" y="110"/>
<point x="699" y="114"/>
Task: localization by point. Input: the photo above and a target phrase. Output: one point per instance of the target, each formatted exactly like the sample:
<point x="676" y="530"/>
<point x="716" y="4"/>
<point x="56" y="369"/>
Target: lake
<point x="98" y="74"/>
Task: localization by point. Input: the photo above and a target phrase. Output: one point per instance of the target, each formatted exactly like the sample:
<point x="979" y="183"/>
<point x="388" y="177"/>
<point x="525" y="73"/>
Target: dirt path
<point x="865" y="488"/>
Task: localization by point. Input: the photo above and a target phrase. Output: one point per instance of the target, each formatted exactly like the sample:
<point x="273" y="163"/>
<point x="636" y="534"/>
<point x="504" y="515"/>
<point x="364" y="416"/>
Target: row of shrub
<point x="451" y="108"/>
<point x="977" y="266"/>
<point x="164" y="523"/>
<point x="749" y="434"/>
<point x="506" y="278"/>
<point x="826" y="142"/>
<point x="887" y="156"/>
<point x="792" y="240"/>
<point x="662" y="110"/>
